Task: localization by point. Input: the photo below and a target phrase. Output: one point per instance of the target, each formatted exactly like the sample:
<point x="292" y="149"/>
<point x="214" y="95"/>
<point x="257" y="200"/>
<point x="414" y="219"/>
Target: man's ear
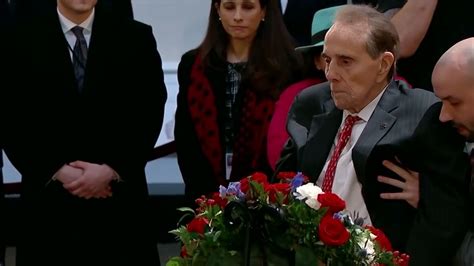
<point x="386" y="62"/>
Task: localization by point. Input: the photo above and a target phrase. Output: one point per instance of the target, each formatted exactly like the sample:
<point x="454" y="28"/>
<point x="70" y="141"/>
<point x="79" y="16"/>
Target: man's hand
<point x="67" y="174"/>
<point x="94" y="181"/>
<point x="411" y="189"/>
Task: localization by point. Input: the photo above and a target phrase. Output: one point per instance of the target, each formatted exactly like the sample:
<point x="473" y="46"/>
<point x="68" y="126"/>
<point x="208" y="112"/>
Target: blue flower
<point x="297" y="181"/>
<point x="338" y="216"/>
<point x="222" y="191"/>
<point x="232" y="190"/>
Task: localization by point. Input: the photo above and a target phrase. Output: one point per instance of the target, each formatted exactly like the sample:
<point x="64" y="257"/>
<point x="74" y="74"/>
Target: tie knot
<point x="351" y="119"/>
<point x="78" y="32"/>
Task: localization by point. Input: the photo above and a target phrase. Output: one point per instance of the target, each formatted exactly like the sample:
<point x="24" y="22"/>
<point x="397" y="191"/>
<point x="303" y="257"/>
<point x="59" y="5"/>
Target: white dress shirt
<point x="345" y="184"/>
<point x="284" y="3"/>
<point x="67" y="25"/>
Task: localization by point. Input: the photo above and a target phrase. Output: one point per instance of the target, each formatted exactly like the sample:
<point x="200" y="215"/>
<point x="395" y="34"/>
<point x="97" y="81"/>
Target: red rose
<point x="218" y="200"/>
<point x="197" y="225"/>
<point x="260" y="178"/>
<point x="244" y="185"/>
<point x="286" y="175"/>
<point x="380" y="238"/>
<point x="331" y="201"/>
<point x="272" y="190"/>
<point x="332" y="232"/>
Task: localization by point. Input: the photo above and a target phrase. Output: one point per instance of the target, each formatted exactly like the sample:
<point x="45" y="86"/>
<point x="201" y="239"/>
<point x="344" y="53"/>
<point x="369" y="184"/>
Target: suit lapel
<point x="96" y="49"/>
<point x="377" y="127"/>
<point x="104" y="51"/>
<point x="54" y="50"/>
<point x="321" y="136"/>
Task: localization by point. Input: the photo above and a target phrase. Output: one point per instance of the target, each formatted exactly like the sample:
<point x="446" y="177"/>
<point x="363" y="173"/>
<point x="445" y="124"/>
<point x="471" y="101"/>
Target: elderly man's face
<point x="457" y="94"/>
<point x="355" y="77"/>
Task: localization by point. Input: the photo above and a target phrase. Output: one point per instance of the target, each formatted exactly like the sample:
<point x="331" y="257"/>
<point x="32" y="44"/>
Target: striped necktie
<point x="79" y="57"/>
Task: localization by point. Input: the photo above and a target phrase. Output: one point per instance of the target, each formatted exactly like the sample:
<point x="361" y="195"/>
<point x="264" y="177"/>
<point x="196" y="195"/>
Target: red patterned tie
<point x="341" y="143"/>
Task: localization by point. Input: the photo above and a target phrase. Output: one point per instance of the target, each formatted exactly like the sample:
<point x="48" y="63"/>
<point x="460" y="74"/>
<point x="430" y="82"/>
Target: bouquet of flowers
<point x="293" y="222"/>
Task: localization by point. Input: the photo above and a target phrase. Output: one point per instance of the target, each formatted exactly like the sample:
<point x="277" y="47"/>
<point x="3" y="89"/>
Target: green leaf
<point x="186" y="209"/>
<point x="176" y="261"/>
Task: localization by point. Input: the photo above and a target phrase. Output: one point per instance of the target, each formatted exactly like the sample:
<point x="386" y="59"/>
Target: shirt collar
<point x="368" y="110"/>
<point x="67" y="24"/>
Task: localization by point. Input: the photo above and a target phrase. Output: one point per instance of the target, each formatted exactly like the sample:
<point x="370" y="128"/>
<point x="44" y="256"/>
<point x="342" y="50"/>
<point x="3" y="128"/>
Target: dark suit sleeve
<point x="308" y="103"/>
<point x="24" y="143"/>
<point x="288" y="157"/>
<point x="305" y="105"/>
<point x="141" y="121"/>
<point x="441" y="221"/>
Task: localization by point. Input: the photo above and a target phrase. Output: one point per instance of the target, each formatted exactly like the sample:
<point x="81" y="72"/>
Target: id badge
<point x="228" y="165"/>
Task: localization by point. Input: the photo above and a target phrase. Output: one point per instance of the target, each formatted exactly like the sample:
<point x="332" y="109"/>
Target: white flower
<point x="366" y="243"/>
<point x="309" y="192"/>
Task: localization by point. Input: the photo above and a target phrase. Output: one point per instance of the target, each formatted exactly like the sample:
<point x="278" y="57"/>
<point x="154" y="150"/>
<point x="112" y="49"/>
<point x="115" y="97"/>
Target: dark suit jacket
<point x="404" y="124"/>
<point x="4" y="19"/>
<point x="116" y="121"/>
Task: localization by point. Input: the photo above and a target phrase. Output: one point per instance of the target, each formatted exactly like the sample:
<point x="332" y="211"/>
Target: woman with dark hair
<point x="227" y="91"/>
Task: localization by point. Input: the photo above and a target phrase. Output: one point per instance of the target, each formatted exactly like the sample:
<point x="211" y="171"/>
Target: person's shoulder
<point x="131" y="25"/>
<point x="188" y="59"/>
<point x="111" y="21"/>
<point x="190" y="55"/>
<point x="423" y="98"/>
<point x="185" y="64"/>
<point x="413" y="103"/>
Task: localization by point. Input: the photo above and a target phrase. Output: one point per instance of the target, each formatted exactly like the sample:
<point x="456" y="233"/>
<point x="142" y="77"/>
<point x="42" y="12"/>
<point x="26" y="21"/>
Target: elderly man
<point x="453" y="82"/>
<point x="342" y="131"/>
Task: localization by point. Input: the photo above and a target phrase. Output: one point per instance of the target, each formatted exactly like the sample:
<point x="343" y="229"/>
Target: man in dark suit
<point x="4" y="21"/>
<point x="95" y="87"/>
<point x="343" y="130"/>
<point x="453" y="82"/>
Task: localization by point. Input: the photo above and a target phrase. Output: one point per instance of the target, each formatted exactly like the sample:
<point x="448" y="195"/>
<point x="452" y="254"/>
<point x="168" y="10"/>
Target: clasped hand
<point x="86" y="180"/>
